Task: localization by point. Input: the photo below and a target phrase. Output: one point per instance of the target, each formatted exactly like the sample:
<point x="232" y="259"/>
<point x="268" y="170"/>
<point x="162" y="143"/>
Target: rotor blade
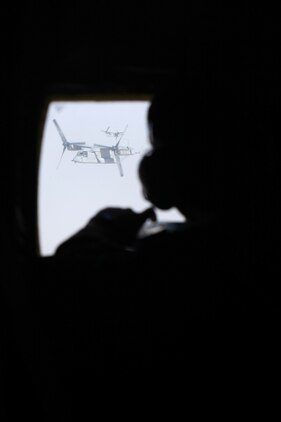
<point x="63" y="138"/>
<point x="61" y="156"/>
<point x="118" y="162"/>
<point x="122" y="134"/>
<point x="106" y="130"/>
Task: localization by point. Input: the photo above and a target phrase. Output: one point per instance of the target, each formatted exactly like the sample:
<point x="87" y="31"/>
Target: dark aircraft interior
<point x="77" y="341"/>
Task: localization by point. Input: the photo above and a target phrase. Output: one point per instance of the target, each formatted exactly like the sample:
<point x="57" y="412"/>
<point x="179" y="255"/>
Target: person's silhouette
<point x="210" y="136"/>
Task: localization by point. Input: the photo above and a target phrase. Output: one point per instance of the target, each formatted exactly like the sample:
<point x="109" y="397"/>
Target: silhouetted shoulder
<point x="190" y="243"/>
<point x="204" y="271"/>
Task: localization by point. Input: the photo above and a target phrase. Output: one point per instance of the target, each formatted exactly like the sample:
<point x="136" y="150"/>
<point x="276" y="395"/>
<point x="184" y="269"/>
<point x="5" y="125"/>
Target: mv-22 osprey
<point x="97" y="153"/>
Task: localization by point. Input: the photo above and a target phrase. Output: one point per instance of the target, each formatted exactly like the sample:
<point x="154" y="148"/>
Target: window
<point x="90" y="151"/>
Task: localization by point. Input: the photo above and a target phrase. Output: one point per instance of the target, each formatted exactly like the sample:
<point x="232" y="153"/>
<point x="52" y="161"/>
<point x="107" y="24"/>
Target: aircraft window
<point x="89" y="159"/>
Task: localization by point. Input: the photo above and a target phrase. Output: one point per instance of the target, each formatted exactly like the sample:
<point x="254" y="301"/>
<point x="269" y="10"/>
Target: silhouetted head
<point x="208" y="132"/>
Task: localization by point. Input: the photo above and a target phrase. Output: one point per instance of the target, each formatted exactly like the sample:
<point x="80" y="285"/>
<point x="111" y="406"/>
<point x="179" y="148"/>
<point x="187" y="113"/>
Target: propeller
<point x="63" y="138"/>
<point x="118" y="162"/>
<point x="63" y="151"/>
<point x="122" y="134"/>
<point x="114" y="148"/>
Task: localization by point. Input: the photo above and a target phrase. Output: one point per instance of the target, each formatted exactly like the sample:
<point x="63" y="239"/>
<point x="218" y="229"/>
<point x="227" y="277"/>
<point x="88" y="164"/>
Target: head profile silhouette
<point x="209" y="132"/>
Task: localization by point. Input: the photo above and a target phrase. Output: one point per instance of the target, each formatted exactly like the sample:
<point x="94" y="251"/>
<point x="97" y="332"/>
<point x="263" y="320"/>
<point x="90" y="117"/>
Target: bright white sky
<point x="68" y="196"/>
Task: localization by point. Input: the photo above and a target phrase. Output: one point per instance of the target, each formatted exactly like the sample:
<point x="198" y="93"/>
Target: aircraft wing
<point x="100" y="146"/>
<point x="83" y="146"/>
